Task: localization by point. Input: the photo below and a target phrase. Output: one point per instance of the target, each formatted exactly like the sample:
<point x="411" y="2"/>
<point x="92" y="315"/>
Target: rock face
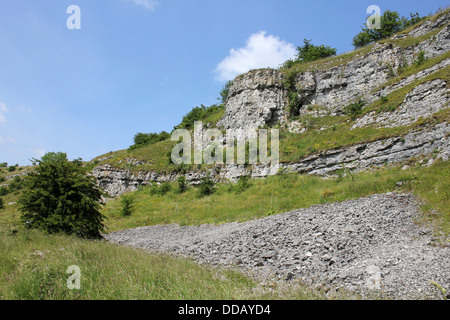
<point x="258" y="98"/>
<point x="255" y="99"/>
<point x="366" y="244"/>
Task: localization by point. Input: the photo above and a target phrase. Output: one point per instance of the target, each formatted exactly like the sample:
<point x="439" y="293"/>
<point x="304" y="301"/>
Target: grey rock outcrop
<point x="433" y="140"/>
<point x="255" y="99"/>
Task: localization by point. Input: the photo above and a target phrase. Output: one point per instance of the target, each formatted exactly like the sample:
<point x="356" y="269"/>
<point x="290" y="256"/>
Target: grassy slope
<point x="282" y="193"/>
<point x="33" y="265"/>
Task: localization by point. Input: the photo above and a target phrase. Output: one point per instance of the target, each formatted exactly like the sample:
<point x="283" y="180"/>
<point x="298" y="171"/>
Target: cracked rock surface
<point x="362" y="245"/>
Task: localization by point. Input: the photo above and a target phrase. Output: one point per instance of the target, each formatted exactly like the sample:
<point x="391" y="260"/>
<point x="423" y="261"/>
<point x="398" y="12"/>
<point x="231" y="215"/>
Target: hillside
<point x="375" y="106"/>
<point x="351" y="127"/>
<point x="361" y="190"/>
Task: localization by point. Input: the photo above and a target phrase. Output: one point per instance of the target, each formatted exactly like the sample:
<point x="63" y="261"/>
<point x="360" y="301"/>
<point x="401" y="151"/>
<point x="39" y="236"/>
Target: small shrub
<point x="420" y="58"/>
<point x="355" y="109"/>
<point x="182" y="185"/>
<point x="3" y="164"/>
<point x="128" y="202"/>
<point x="11" y="168"/>
<point x="144" y="139"/>
<point x="242" y="185"/>
<point x="4" y="191"/>
<point x="272" y="212"/>
<point x="391" y="72"/>
<point x="2" y="206"/>
<point x="225" y="91"/>
<point x="206" y="186"/>
<point x="16" y="184"/>
<point x="164" y="188"/>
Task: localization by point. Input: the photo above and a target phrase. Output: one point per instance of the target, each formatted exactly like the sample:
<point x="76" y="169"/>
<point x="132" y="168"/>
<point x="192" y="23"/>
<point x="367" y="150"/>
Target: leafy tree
<point x="391" y="23"/>
<point x="198" y="114"/>
<point x="59" y="197"/>
<point x="309" y="52"/>
<point x="3" y="164"/>
<point x="144" y="139"/>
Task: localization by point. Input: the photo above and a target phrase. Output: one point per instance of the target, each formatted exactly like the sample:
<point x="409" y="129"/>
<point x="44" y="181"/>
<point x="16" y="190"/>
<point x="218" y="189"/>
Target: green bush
<point x="182" y="185"/>
<point x="353" y="110"/>
<point x="3" y="164"/>
<point x="420" y="58"/>
<point x="164" y="188"/>
<point x="128" y="202"/>
<point x="144" y="139"/>
<point x="15" y="185"/>
<point x="198" y="114"/>
<point x="309" y="52"/>
<point x="225" y="91"/>
<point x="242" y="185"/>
<point x="2" y="206"/>
<point x="207" y="186"/>
<point x="59" y="197"/>
<point x="4" y="191"/>
<point x="11" y="168"/>
<point x="391" y="23"/>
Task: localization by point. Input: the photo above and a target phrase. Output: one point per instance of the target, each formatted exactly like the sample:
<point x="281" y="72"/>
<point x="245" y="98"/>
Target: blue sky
<point x="140" y="65"/>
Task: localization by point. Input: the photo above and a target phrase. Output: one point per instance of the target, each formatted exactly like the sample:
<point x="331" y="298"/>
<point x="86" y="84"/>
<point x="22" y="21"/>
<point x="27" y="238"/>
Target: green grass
<point x="286" y="192"/>
<point x="393" y="100"/>
<point x="33" y="264"/>
<point x="413" y="69"/>
<point x="337" y="133"/>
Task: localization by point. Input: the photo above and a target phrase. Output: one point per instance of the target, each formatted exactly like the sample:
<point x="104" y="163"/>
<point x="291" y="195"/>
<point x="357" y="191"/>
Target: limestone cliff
<point x="259" y="98"/>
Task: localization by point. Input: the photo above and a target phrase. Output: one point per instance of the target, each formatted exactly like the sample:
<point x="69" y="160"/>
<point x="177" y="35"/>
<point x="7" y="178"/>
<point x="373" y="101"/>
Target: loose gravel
<point x="368" y="245"/>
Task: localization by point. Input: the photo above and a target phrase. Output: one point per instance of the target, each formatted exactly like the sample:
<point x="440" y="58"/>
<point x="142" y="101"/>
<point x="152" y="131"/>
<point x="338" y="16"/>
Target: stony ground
<point x="367" y="244"/>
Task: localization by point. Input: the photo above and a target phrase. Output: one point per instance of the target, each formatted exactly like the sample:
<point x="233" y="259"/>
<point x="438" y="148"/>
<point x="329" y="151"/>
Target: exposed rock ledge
<point x="359" y="157"/>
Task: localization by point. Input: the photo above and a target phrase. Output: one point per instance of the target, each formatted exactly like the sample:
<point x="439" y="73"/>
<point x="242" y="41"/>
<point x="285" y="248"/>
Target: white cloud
<point x="3" y="109"/>
<point x="146" y="4"/>
<point x="261" y="51"/>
